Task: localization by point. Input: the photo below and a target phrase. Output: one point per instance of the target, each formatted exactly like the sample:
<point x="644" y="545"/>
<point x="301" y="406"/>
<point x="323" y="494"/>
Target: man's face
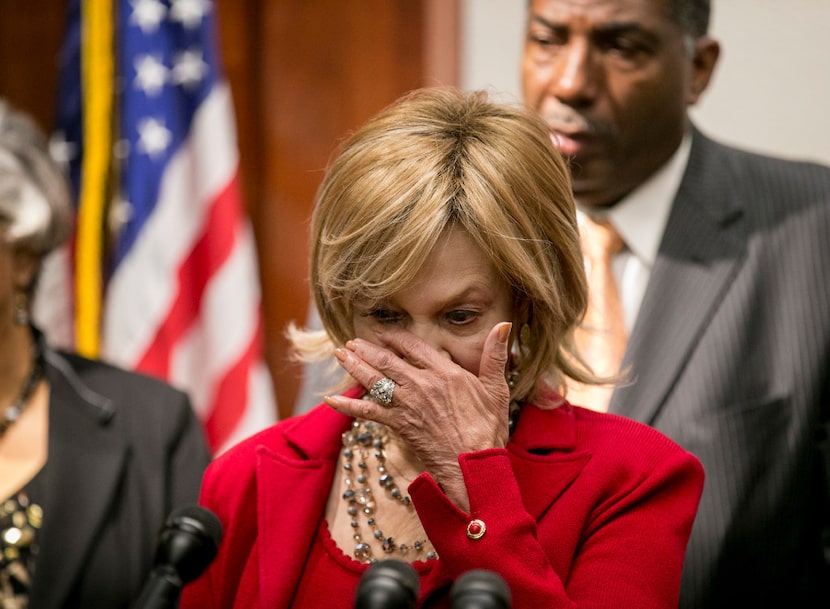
<point x="612" y="79"/>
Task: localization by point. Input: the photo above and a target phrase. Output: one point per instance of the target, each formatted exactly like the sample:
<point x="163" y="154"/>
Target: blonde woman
<point x="447" y="272"/>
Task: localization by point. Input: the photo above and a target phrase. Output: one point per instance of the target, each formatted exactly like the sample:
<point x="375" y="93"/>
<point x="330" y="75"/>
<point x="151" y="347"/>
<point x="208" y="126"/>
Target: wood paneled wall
<point x="30" y="38"/>
<point x="303" y="74"/>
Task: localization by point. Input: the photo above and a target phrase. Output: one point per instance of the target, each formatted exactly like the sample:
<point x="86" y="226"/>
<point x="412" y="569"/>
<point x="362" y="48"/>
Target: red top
<point x="340" y="572"/>
<point x="582" y="509"/>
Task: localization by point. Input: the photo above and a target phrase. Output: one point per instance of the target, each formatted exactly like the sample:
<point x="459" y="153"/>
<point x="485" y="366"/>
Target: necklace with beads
<point x="367" y="440"/>
<point x="11" y="413"/>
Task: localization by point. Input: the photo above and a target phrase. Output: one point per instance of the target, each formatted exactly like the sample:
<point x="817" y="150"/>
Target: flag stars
<point x="189" y="69"/>
<point x="147" y="14"/>
<point x="151" y="74"/>
<point x="189" y="12"/>
<point x="153" y="137"/>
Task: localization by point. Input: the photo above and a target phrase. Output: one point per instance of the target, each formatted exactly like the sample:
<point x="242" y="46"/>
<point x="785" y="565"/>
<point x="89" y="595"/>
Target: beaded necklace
<point x="368" y="439"/>
<point x="12" y="412"/>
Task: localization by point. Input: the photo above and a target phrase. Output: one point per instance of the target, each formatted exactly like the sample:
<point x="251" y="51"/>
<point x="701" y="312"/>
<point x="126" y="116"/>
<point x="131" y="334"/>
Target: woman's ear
<point x="25" y="265"/>
<point x="521" y="326"/>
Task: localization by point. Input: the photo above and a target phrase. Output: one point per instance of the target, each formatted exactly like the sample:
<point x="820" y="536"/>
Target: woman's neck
<point x="15" y="361"/>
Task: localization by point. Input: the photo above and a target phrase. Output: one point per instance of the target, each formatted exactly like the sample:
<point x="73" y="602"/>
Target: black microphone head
<point x="480" y="589"/>
<point x="189" y="541"/>
<point x="388" y="584"/>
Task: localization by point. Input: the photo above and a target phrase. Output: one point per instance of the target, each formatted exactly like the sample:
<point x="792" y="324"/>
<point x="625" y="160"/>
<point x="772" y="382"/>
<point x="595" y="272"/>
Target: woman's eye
<point x="385" y="316"/>
<point x="461" y="316"/>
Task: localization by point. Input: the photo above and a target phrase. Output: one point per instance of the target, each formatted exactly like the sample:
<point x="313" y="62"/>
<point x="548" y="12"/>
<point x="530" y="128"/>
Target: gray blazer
<point x="730" y="357"/>
<point x="124" y="451"/>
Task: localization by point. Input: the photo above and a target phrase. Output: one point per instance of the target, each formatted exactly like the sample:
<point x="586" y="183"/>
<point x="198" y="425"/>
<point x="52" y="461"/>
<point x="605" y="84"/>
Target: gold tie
<point x="601" y="337"/>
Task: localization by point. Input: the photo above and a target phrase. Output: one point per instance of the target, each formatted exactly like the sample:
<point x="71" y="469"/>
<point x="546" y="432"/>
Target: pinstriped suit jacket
<point x="730" y="356"/>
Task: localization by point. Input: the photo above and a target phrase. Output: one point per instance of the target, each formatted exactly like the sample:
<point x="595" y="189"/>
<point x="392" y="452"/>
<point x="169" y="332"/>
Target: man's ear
<point x="705" y="58"/>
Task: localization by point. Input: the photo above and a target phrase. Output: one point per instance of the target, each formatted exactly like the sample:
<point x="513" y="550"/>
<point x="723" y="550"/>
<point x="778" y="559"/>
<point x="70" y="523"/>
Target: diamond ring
<point x="383" y="390"/>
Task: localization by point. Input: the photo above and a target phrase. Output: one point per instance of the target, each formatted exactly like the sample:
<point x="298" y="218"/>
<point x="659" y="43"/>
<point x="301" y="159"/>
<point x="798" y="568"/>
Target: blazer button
<point x="476" y="529"/>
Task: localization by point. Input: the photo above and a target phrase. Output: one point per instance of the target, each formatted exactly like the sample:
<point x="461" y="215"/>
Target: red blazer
<point x="582" y="510"/>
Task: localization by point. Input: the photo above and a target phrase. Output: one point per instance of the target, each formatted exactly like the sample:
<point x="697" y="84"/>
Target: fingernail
<point x="332" y="401"/>
<point x="340" y="354"/>
<point x="504" y="331"/>
<point x="351" y="345"/>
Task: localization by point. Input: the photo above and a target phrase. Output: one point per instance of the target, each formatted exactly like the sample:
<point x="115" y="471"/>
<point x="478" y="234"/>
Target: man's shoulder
<point x="763" y="165"/>
<point x="100" y="374"/>
<point x="767" y="188"/>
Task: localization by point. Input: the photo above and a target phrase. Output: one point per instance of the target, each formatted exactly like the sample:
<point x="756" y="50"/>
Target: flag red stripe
<point x="208" y="254"/>
<point x="230" y="400"/>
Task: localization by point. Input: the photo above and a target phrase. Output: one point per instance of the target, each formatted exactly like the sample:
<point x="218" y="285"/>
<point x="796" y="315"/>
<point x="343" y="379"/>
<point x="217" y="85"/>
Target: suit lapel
<point x="703" y="248"/>
<point x="85" y="463"/>
<point x="543" y="456"/>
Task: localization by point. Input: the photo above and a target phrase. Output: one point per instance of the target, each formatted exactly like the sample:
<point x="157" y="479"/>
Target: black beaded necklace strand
<point x="12" y="413"/>
<point x="368" y="439"/>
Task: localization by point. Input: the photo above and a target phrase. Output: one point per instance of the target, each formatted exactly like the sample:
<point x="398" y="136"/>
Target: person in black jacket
<point x="92" y="458"/>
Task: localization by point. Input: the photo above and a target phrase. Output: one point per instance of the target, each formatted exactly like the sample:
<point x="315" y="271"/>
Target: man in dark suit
<point x="723" y="282"/>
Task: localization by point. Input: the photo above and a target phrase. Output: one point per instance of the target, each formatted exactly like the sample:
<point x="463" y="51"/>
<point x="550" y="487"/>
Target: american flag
<point x="163" y="266"/>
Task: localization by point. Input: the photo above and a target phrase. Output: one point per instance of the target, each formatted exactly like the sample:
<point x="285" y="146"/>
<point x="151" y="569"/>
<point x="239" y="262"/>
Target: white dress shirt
<point x="640" y="219"/>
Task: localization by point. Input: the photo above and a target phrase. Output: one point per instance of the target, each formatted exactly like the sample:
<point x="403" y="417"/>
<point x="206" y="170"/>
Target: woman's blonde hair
<point x="438" y="158"/>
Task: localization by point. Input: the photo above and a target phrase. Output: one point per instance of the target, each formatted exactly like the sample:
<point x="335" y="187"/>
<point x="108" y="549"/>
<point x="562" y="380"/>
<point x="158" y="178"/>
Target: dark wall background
<point x="303" y="74"/>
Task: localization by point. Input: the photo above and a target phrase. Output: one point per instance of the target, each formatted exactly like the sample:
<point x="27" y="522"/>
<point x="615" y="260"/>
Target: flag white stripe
<point x="225" y="327"/>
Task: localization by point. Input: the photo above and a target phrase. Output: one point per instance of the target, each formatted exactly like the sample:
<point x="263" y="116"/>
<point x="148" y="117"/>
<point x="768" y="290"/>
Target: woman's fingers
<point x="407" y="374"/>
<point x="361" y="409"/>
<point x="410" y="348"/>
<point x="494" y="356"/>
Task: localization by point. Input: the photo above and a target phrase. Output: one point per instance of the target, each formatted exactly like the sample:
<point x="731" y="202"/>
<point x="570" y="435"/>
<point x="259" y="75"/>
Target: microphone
<point x="388" y="584"/>
<point x="480" y="589"/>
<point x="186" y="545"/>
